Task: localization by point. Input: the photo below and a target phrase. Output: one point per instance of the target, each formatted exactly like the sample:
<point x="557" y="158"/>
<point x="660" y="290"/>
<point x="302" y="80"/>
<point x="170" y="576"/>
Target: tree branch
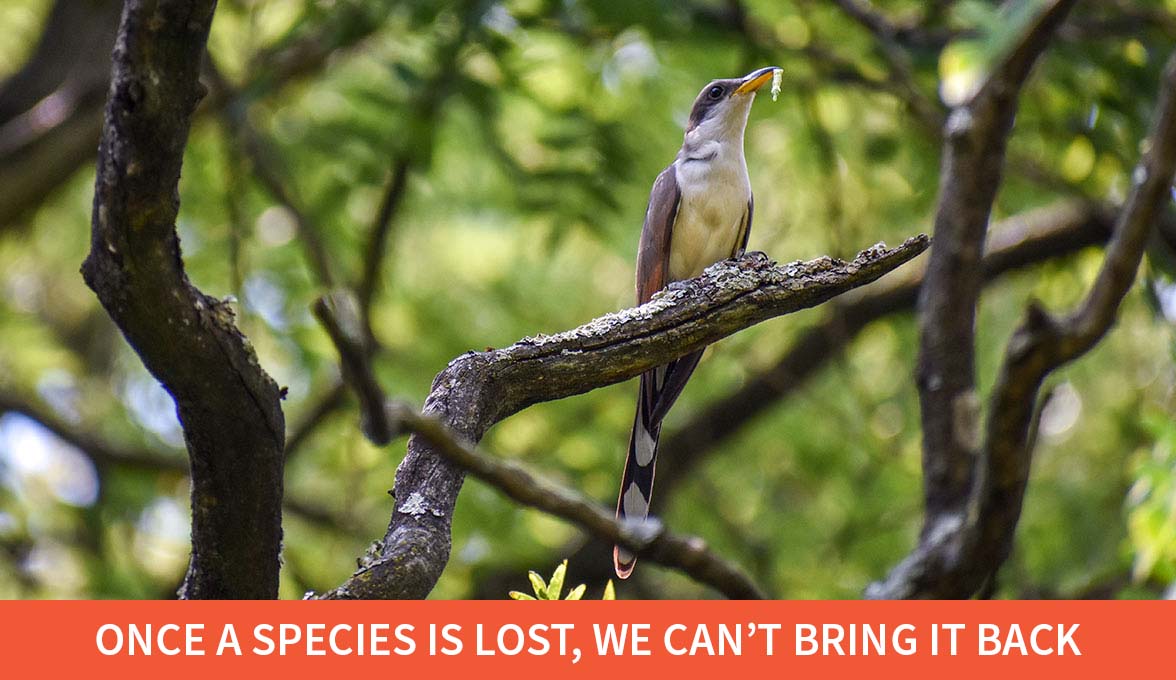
<point x="51" y="109"/>
<point x="332" y="400"/>
<point x="373" y="262"/>
<point x="35" y="159"/>
<point x="228" y="405"/>
<point x="1023" y="240"/>
<point x="1026" y="239"/>
<point x="89" y="28"/>
<point x="479" y="389"/>
<point x="340" y="316"/>
<point x="975" y="138"/>
<point x="825" y="61"/>
<point x="686" y="554"/>
<point x="888" y="37"/>
<point x="270" y="171"/>
<point x="106" y="454"/>
<point x="967" y="549"/>
<point x="100" y="452"/>
<point x="887" y="30"/>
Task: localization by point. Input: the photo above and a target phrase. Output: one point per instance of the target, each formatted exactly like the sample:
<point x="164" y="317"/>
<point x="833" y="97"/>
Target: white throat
<point x="715" y="191"/>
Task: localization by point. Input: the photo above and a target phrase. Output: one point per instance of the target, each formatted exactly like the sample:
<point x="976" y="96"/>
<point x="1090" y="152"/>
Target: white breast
<point x="715" y="194"/>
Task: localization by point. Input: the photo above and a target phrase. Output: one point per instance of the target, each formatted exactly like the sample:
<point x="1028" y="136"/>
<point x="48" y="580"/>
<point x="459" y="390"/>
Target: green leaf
<point x="557" y="580"/>
<point x="516" y="595"/>
<point x="610" y="593"/>
<point x="538" y="584"/>
<point x="577" y="592"/>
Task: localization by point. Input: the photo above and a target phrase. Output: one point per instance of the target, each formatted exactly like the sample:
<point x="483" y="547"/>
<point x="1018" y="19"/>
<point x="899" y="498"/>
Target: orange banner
<point x="569" y="639"/>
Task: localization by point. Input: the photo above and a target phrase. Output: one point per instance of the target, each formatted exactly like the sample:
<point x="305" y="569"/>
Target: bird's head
<point x="720" y="111"/>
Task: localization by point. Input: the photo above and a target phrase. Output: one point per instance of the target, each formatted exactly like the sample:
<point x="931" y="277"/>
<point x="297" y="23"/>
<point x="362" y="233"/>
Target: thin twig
<point x="99" y="451"/>
<point x="826" y="61"/>
<point x="332" y="400"/>
<point x="103" y="453"/>
<point x="374" y="255"/>
<point x="891" y="41"/>
<point x="271" y="174"/>
<point x="882" y="26"/>
<point x="340" y="317"/>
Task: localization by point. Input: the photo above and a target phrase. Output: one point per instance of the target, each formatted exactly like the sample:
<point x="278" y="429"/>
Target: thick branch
<point x="51" y="109"/>
<point x="1023" y="240"/>
<point x="228" y="406"/>
<point x="956" y="560"/>
<point x="481" y="388"/>
<point x="975" y="138"/>
<point x="1026" y="239"/>
<point x="88" y="28"/>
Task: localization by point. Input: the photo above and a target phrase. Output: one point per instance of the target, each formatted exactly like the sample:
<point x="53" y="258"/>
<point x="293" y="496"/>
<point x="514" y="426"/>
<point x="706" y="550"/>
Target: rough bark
<point x="975" y="137"/>
<point x="966" y="548"/>
<point x="479" y="389"/>
<point x="228" y="406"/>
<point x="1020" y="241"/>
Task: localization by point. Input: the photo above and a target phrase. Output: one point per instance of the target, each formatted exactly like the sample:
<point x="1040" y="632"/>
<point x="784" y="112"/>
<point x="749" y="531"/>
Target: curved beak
<point x="755" y="80"/>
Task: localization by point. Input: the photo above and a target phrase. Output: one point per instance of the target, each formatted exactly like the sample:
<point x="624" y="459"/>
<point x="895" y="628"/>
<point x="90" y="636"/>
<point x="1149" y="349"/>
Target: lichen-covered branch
<point x="1026" y="239"/>
<point x="479" y="389"/>
<point x="228" y="406"/>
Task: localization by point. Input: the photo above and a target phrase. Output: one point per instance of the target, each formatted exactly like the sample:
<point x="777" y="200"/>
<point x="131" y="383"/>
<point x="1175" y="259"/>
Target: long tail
<point x="659" y="390"/>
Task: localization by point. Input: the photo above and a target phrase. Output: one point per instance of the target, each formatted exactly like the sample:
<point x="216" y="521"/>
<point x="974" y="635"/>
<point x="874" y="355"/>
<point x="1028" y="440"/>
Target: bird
<point x="699" y="213"/>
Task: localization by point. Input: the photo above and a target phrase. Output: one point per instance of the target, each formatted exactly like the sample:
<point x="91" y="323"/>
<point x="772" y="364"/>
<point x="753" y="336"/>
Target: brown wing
<point x="746" y="229"/>
<point x="653" y="264"/>
<point x="653" y="253"/>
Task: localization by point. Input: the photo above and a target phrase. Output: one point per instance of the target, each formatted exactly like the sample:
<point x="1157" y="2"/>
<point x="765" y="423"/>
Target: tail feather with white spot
<point x="659" y="390"/>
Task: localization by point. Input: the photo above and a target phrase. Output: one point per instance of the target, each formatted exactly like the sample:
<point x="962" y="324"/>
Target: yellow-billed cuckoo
<point x="699" y="213"/>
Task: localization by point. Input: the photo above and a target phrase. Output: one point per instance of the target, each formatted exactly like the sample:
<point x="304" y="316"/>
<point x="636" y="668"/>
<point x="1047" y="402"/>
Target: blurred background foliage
<point x="530" y="131"/>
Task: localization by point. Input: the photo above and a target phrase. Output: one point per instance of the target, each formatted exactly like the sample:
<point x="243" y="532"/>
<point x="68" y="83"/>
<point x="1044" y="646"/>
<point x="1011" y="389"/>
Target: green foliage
<point x="552" y="589"/>
<point x="534" y="129"/>
<point x="1151" y="506"/>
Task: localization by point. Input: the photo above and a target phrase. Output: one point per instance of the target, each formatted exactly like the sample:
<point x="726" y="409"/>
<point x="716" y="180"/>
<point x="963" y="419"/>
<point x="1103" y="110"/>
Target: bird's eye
<point x="715" y="92"/>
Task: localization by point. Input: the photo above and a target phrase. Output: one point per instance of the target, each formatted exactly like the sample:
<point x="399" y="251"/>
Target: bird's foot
<point x="754" y="257"/>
